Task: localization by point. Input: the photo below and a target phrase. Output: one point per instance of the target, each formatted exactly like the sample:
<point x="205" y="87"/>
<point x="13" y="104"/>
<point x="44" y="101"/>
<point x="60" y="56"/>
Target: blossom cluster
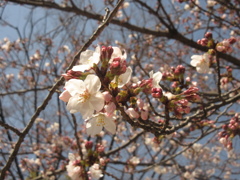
<point x="230" y="130"/>
<point x="205" y="61"/>
<point x="101" y="83"/>
<point x="96" y="87"/>
<point x="83" y="90"/>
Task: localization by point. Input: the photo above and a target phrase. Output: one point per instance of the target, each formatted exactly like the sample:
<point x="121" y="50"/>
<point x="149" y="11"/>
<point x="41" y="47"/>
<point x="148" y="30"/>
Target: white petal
<point x="97" y="101"/>
<point x="151" y="74"/>
<point x="86" y="110"/>
<point x="202" y="68"/>
<point x="116" y="52"/>
<point x="74" y="86"/>
<point x="92" y="128"/>
<point x="92" y="83"/>
<point x="195" y="60"/>
<point x="156" y="79"/>
<point x="71" y="157"/>
<point x="73" y="105"/>
<point x="85" y="56"/>
<point x="82" y="67"/>
<point x="65" y="96"/>
<point x="110" y="125"/>
<point x="125" y="78"/>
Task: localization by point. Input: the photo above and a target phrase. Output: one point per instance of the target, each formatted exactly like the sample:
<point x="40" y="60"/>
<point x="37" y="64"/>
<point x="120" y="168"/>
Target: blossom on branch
<point x="74" y="168"/>
<point x="95" y="171"/>
<point x="98" y="121"/>
<point x="87" y="59"/>
<point x="156" y="78"/>
<point x="123" y="78"/>
<point x="201" y="62"/>
<point x="85" y="96"/>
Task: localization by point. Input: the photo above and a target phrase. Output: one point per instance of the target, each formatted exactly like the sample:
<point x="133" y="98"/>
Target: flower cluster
<point x="230" y="130"/>
<point x="98" y="72"/>
<point x="76" y="172"/>
<point x="100" y="84"/>
<point x="203" y="62"/>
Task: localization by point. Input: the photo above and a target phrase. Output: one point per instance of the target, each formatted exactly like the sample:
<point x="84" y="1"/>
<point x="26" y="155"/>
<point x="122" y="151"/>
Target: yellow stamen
<point x="83" y="97"/>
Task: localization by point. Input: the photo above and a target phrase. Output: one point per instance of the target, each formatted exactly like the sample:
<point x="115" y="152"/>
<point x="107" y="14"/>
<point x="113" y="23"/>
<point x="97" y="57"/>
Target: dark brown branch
<point x="6" y="126"/>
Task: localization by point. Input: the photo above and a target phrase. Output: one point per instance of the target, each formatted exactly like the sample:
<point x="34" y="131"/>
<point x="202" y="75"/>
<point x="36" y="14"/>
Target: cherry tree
<point x="119" y="89"/>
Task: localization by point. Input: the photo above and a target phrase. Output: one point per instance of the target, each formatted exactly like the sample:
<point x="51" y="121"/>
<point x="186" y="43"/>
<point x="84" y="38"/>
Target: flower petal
<point x="86" y="112"/>
<point x="82" y="67"/>
<point x="195" y="60"/>
<point x="125" y="77"/>
<point x="73" y="105"/>
<point x="85" y="56"/>
<point x="65" y="96"/>
<point x="156" y="79"/>
<point x="151" y="74"/>
<point x="110" y="125"/>
<point x="74" y="86"/>
<point x="97" y="101"/>
<point x="92" y="127"/>
<point x="92" y="83"/>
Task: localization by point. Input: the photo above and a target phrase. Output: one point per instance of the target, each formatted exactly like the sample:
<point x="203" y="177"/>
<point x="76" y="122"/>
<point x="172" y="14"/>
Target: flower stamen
<point x="83" y="97"/>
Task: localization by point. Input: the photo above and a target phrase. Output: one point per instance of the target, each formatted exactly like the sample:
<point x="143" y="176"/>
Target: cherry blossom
<point x="123" y="78"/>
<point x="85" y="96"/>
<point x="98" y="121"/>
<point x="87" y="59"/>
<point x="156" y="79"/>
<point x="201" y="62"/>
<point x="117" y="52"/>
<point x="73" y="168"/>
<point x="95" y="171"/>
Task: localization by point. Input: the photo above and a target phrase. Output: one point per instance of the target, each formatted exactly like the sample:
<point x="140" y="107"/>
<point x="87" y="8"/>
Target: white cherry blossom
<point x="123" y="78"/>
<point x="156" y="79"/>
<point x="85" y="96"/>
<point x="87" y="59"/>
<point x="98" y="121"/>
<point x="95" y="171"/>
<point x="117" y="52"/>
<point x="74" y="170"/>
<point x="201" y="62"/>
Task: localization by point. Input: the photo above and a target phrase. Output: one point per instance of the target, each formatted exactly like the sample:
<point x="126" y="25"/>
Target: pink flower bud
<point x="106" y="53"/>
<point x="132" y="113"/>
<point x="110" y="108"/>
<point x="144" y="114"/>
<point x="100" y="148"/>
<point x="89" y="145"/>
<point x="208" y="35"/>
<point x="107" y="96"/>
<point x="179" y="70"/>
<point x="191" y="90"/>
<point x="72" y="75"/>
<point x="157" y="92"/>
<point x="220" y="48"/>
<point x="204" y="42"/>
<point x="118" y="66"/>
<point x="140" y="103"/>
<point x="232" y="40"/>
